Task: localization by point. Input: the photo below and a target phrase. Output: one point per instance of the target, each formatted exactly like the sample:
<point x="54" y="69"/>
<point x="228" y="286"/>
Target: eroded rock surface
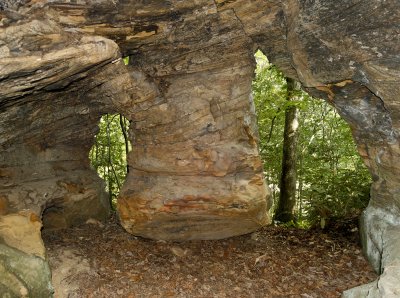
<point x="195" y="171"/>
<point x="24" y="270"/>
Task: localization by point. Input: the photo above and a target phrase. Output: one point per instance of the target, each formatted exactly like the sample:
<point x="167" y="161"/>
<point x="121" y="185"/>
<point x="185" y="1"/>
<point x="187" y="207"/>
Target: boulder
<point x="24" y="271"/>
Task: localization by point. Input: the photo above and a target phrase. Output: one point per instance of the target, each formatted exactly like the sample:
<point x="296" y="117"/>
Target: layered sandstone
<point x="195" y="170"/>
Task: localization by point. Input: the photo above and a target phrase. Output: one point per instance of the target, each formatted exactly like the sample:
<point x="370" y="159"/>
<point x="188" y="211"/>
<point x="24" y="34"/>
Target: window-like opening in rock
<point x="108" y="156"/>
<point x="332" y="180"/>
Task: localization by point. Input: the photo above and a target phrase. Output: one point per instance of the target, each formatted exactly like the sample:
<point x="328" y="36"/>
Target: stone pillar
<point x="195" y="170"/>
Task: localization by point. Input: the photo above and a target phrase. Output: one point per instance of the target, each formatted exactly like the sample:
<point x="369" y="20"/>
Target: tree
<point x="108" y="155"/>
<point x="269" y="92"/>
<point x="332" y="180"/>
<point x="287" y="199"/>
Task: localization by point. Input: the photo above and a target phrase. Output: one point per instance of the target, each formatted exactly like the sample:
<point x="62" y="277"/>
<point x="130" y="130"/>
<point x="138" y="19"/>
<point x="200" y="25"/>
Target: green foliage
<point x="108" y="154"/>
<point x="126" y="60"/>
<point x="269" y="91"/>
<point x="332" y="179"/>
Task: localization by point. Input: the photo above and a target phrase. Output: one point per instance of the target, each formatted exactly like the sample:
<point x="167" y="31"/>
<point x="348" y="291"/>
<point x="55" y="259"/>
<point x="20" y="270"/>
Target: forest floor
<point x="95" y="260"/>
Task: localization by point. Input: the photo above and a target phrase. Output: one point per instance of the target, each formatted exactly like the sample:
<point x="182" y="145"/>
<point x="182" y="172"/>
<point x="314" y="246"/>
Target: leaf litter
<point x="95" y="260"/>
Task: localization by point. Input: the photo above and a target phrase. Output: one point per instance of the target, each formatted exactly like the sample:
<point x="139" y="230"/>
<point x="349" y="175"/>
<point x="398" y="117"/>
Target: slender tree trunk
<point x="125" y="134"/>
<point x="287" y="199"/>
<point x="109" y="161"/>
<point x="96" y="154"/>
<point x="300" y="190"/>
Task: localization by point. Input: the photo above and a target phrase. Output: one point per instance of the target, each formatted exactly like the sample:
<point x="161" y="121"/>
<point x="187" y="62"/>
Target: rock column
<point x="195" y="170"/>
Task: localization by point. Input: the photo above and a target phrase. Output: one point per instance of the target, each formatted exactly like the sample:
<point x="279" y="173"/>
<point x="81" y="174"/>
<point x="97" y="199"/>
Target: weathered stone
<point x="213" y="137"/>
<point x="22" y="231"/>
<point x="195" y="170"/>
<point x="24" y="271"/>
<point x="383" y="247"/>
<point x="58" y="177"/>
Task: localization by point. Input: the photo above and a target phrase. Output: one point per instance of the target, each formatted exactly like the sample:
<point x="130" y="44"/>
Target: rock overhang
<point x="187" y="89"/>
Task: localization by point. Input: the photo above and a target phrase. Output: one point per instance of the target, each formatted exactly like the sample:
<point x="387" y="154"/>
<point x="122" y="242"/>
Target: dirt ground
<point x="96" y="260"/>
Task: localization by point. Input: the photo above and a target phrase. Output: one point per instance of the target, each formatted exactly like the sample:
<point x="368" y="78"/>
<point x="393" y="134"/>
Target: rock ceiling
<point x="196" y="173"/>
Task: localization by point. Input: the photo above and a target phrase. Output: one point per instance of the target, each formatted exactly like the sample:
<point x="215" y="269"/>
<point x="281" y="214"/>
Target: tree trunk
<point x="287" y="199"/>
<point x="126" y="141"/>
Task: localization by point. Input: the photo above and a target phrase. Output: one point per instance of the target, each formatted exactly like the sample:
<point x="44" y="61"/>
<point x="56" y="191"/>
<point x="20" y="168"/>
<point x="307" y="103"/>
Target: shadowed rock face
<point x="195" y="170"/>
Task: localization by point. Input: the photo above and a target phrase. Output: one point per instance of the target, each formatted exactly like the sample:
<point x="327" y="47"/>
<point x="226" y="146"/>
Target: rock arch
<point x="187" y="93"/>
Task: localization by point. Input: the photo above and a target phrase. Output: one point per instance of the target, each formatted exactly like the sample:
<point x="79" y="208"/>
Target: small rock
<point x="179" y="252"/>
<point x="23" y="291"/>
<point x="92" y="221"/>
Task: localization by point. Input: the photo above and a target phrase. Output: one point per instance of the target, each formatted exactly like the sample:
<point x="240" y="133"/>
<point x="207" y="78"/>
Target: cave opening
<point x="109" y="153"/>
<point x="345" y="52"/>
<point x="88" y="192"/>
<point x="331" y="183"/>
<point x="98" y="259"/>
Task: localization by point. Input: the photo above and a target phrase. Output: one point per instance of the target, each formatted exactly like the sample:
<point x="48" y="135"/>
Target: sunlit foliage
<point x="108" y="154"/>
<point x="332" y="179"/>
